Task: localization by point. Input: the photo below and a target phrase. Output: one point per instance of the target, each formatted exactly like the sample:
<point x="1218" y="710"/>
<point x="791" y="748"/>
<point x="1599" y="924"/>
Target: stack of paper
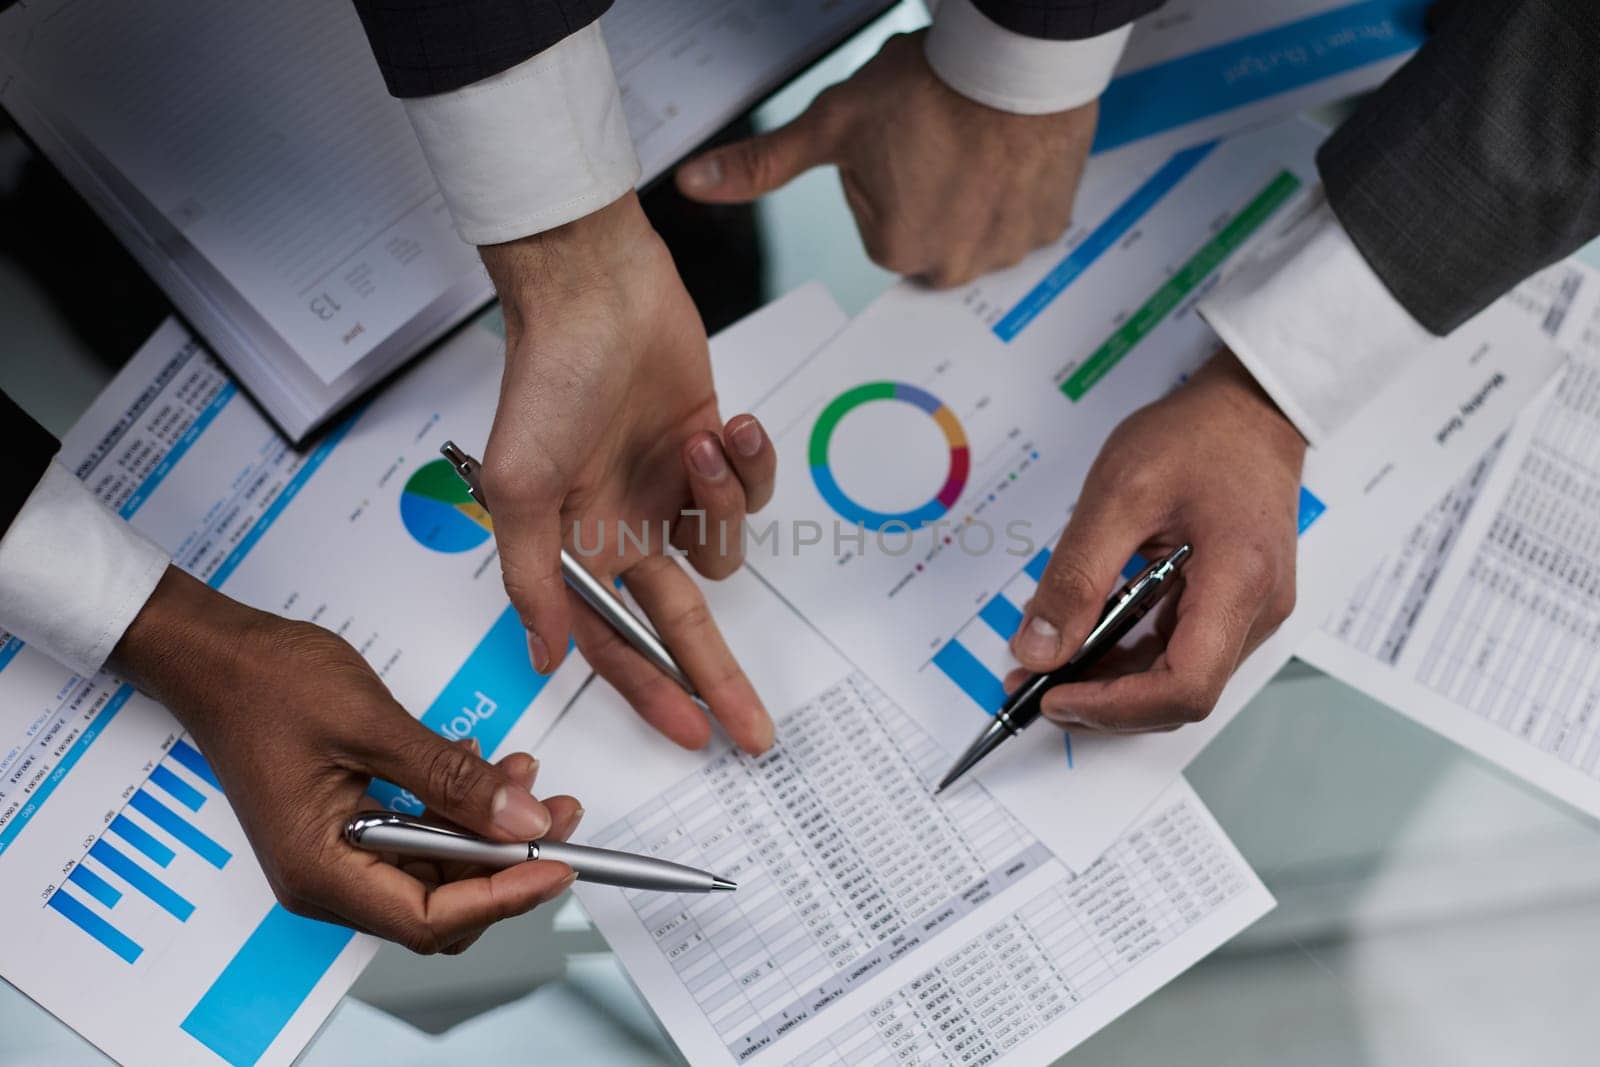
<point x="251" y="159"/>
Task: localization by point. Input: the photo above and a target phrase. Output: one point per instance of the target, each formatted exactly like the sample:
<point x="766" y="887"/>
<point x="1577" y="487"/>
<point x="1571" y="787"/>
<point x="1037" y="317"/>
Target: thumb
<point x="454" y="782"/>
<point x="1097" y="543"/>
<point x="750" y="168"/>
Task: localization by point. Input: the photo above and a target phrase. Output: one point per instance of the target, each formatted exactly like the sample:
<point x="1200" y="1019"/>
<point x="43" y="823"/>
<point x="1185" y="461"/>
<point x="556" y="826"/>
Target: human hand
<point x="296" y="725"/>
<point x="607" y="415"/>
<point x="943" y="189"/>
<point x="1214" y="465"/>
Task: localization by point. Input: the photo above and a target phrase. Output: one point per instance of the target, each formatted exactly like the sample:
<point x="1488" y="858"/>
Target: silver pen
<point x="594" y="592"/>
<point x="404" y="835"/>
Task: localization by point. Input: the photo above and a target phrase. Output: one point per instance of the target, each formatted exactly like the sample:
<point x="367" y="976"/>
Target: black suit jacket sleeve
<point x="434" y="46"/>
<point x="1478" y="163"/>
<point x="29" y="449"/>
<point x="1066" y="20"/>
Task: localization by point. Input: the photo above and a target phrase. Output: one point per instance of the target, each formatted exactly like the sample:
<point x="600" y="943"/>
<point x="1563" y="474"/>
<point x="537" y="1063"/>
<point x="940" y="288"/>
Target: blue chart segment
<point x="1151" y="101"/>
<point x="133" y="860"/>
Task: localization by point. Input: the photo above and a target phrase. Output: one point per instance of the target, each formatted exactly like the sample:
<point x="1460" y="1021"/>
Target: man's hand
<point x="943" y="189"/>
<point x="296" y="725"/>
<point x="607" y="416"/>
<point x="1214" y="465"/>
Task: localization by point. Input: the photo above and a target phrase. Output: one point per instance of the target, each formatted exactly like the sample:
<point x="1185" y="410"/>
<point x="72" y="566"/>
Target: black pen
<point x="1122" y="614"/>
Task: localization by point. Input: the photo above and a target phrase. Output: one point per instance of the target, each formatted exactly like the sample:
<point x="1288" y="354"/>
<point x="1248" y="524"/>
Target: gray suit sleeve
<point x="1478" y="162"/>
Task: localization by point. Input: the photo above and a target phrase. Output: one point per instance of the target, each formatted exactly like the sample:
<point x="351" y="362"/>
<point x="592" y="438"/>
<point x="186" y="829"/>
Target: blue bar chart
<point x="135" y="858"/>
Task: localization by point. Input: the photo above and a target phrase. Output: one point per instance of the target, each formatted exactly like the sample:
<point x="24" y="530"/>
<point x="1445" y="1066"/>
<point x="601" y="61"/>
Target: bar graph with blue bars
<point x="134" y="859"/>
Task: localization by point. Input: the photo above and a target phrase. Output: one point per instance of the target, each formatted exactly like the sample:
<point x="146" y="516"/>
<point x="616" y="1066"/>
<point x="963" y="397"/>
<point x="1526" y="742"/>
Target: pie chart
<point x="438" y="511"/>
<point x="854" y="511"/>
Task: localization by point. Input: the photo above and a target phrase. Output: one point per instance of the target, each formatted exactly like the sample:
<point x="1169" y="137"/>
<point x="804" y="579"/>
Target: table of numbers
<point x="845" y="861"/>
<point x="1056" y="951"/>
<point x="1518" y="644"/>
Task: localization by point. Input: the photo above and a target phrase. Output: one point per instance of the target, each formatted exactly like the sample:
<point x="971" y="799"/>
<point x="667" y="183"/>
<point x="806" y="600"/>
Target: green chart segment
<point x="1176" y="288"/>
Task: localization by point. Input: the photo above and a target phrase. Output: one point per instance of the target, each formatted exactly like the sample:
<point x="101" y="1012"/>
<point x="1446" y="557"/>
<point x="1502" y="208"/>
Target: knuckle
<point x="1067" y="583"/>
<point x="451" y="775"/>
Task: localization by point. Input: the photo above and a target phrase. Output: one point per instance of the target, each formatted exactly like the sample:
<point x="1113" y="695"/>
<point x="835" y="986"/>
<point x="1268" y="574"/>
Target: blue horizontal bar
<point x="136" y="876"/>
<point x="1002" y="616"/>
<point x="1100" y="240"/>
<point x="190" y="759"/>
<point x="95" y="886"/>
<point x="1037" y="564"/>
<point x="1311" y="508"/>
<point x="95" y="926"/>
<point x="9" y="650"/>
<point x="177" y="788"/>
<point x="1134" y="567"/>
<point x="141" y="839"/>
<point x="263" y="986"/>
<point x="976" y="680"/>
<point x="1144" y="103"/>
<point x="180" y="828"/>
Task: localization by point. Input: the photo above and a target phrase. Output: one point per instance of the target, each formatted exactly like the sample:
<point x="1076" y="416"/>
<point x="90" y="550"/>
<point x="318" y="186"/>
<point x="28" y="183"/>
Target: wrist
<point x="537" y="274"/>
<point x="188" y="637"/>
<point x="1250" y="402"/>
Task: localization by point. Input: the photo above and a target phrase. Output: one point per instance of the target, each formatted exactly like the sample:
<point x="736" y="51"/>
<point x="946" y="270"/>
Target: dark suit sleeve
<point x="435" y="46"/>
<point x="1478" y="162"/>
<point x="1066" y="20"/>
<point x="29" y="448"/>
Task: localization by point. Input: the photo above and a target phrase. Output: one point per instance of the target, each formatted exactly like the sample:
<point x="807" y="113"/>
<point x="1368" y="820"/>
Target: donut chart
<point x="439" y="513"/>
<point x="872" y="392"/>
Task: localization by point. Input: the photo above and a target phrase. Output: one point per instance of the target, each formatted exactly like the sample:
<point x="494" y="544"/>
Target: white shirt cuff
<point x="1309" y="318"/>
<point x="985" y="62"/>
<point x="72" y="574"/>
<point x="533" y="147"/>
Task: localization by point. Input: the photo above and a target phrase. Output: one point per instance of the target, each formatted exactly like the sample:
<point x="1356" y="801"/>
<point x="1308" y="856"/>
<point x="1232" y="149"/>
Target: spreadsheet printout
<point x="853" y="877"/>
<point x="132" y="905"/>
<point x="1485" y="622"/>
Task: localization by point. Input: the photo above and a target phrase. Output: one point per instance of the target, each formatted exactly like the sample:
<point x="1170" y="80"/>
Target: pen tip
<point x="722" y="885"/>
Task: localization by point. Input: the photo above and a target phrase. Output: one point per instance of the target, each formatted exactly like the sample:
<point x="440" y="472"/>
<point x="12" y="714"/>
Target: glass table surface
<point x="1431" y="909"/>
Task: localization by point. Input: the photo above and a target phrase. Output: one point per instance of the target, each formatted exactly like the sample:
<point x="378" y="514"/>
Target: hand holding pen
<point x="1214" y="465"/>
<point x="675" y="677"/>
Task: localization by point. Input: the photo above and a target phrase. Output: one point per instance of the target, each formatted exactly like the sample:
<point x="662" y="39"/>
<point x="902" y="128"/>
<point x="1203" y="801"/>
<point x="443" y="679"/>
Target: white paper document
<point x="1483" y="622"/>
<point x="874" y="922"/>
<point x="1199" y="69"/>
<point x="252" y="160"/>
<point x="931" y="454"/>
<point x="132" y="906"/>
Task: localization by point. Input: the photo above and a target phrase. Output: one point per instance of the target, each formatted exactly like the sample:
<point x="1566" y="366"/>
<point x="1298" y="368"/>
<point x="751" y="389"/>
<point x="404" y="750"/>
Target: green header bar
<point x="1180" y="285"/>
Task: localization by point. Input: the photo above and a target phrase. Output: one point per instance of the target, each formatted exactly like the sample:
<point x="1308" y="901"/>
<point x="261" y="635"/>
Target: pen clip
<point x="467" y="469"/>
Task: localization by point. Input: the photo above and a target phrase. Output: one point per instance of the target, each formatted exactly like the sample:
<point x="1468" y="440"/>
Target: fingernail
<point x="518" y="814"/>
<point x="746" y="438"/>
<point x="706" y="455"/>
<point x="472" y="746"/>
<point x="539" y="653"/>
<point x="1038" y="640"/>
<point x="577" y="817"/>
<point x="702" y="174"/>
<point x="533" y="772"/>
